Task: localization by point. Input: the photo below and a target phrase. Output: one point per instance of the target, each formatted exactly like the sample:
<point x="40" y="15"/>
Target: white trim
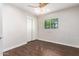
<point x="75" y="46"/>
<point x="14" y="47"/>
<point x="43" y="40"/>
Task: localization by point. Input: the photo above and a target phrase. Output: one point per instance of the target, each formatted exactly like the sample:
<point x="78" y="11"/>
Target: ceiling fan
<point x="39" y="5"/>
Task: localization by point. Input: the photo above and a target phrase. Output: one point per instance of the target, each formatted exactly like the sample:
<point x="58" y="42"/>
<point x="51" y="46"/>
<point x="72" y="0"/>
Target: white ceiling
<point x="51" y="7"/>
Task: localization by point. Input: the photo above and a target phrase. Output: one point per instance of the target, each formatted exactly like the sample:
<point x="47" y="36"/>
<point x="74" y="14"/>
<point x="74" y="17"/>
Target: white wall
<point x="14" y="27"/>
<point x="68" y="31"/>
<point x="1" y="46"/>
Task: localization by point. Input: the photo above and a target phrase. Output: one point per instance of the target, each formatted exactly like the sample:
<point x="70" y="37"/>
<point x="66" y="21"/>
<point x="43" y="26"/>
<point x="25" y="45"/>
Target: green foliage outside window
<point x="51" y="23"/>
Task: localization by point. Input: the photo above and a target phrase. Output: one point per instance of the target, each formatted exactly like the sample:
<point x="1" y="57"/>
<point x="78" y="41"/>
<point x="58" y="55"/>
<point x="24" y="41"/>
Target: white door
<point x="29" y="28"/>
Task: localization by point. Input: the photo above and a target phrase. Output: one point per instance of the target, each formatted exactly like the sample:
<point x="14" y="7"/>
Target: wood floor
<point x="42" y="48"/>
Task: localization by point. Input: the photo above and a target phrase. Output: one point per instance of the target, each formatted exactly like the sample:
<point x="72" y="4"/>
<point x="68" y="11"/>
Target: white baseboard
<point x="14" y="46"/>
<point x="75" y="46"/>
<point x="43" y="40"/>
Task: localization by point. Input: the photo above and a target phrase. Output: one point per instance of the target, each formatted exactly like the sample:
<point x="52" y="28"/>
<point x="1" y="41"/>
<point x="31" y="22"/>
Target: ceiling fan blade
<point x="41" y="5"/>
<point x="32" y="6"/>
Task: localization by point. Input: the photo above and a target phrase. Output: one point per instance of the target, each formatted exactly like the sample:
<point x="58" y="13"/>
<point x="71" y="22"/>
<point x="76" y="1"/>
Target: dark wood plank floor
<point x="42" y="48"/>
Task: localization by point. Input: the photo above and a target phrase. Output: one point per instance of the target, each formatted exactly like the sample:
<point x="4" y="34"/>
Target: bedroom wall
<point x="68" y="31"/>
<point x="14" y="27"/>
<point x="1" y="46"/>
